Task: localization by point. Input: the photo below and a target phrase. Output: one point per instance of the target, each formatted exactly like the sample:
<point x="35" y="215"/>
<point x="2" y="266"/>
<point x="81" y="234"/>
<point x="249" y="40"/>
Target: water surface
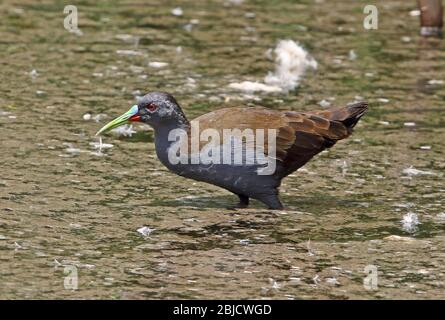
<point x="62" y="204"/>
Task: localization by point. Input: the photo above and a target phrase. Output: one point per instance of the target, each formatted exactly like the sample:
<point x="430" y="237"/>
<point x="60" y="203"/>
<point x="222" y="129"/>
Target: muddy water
<point x="63" y="204"/>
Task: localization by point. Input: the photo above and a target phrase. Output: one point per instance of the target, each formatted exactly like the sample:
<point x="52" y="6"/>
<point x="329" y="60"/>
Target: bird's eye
<point x="152" y="107"/>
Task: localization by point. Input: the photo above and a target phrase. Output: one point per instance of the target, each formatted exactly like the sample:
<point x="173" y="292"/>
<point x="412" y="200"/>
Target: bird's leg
<point x="243" y="201"/>
<point x="272" y="201"/>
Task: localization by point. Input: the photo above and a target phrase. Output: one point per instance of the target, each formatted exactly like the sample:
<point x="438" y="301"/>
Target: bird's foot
<point x="243" y="202"/>
<point x="276" y="208"/>
<point x="241" y="205"/>
<point x="272" y="202"/>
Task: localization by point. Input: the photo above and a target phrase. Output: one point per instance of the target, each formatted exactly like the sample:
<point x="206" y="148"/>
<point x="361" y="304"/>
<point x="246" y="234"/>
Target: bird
<point x="295" y="139"/>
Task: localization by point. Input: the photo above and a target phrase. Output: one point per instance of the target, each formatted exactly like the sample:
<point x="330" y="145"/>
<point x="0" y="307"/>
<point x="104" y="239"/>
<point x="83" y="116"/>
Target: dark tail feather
<point x="348" y="115"/>
<point x="352" y="114"/>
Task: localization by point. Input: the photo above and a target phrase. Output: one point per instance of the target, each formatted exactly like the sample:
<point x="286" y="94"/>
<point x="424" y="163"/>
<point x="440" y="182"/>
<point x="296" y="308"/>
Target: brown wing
<point x="300" y="136"/>
<point x="250" y="118"/>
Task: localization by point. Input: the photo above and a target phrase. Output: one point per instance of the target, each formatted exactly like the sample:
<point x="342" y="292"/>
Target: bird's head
<point x="155" y="109"/>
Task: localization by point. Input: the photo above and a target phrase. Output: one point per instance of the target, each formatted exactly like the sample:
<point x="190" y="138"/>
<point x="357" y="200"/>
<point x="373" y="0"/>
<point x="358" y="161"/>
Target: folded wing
<point x="300" y="136"/>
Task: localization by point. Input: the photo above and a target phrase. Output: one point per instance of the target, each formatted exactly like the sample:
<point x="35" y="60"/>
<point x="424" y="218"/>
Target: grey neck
<point x="162" y="142"/>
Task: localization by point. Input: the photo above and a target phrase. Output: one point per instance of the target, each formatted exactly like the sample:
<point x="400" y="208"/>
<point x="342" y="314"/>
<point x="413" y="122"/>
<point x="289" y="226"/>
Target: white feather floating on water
<point x="274" y="284"/>
<point x="125" y="37"/>
<point x="99" y="117"/>
<point x="398" y="238"/>
<point x="441" y="216"/>
<point x="33" y="74"/>
<point x="145" y="231"/>
<point x="100" y="145"/>
<point x="410" y="221"/>
<point x="124" y="131"/>
<point x="291" y="62"/>
<point x="235" y="2"/>
<point x="435" y="82"/>
<point x="411" y="171"/>
<point x="406" y="39"/>
<point x="177" y="11"/>
<point x="324" y="103"/>
<point x="188" y="27"/>
<point x="352" y="55"/>
<point x="250" y="86"/>
<point x="157" y="64"/>
<point x="128" y="53"/>
<point x="73" y="151"/>
<point x="332" y="281"/>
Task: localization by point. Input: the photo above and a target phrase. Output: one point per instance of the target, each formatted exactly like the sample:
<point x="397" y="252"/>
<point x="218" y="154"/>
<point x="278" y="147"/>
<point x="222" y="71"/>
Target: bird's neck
<point x="164" y="138"/>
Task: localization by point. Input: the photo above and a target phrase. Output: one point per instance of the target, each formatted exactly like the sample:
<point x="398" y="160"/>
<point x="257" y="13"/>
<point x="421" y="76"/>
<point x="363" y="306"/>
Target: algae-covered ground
<point x="363" y="220"/>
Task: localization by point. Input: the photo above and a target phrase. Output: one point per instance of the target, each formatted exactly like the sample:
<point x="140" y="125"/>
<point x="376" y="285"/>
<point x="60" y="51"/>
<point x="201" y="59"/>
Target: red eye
<point x="152" y="107"/>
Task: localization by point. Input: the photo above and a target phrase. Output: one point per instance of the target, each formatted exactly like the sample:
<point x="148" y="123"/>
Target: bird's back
<point x="299" y="135"/>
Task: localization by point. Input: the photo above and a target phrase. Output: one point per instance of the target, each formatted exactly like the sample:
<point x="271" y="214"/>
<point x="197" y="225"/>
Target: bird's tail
<point x="348" y="115"/>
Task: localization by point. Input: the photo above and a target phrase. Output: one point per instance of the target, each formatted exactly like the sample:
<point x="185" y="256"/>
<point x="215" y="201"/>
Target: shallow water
<point x="64" y="204"/>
